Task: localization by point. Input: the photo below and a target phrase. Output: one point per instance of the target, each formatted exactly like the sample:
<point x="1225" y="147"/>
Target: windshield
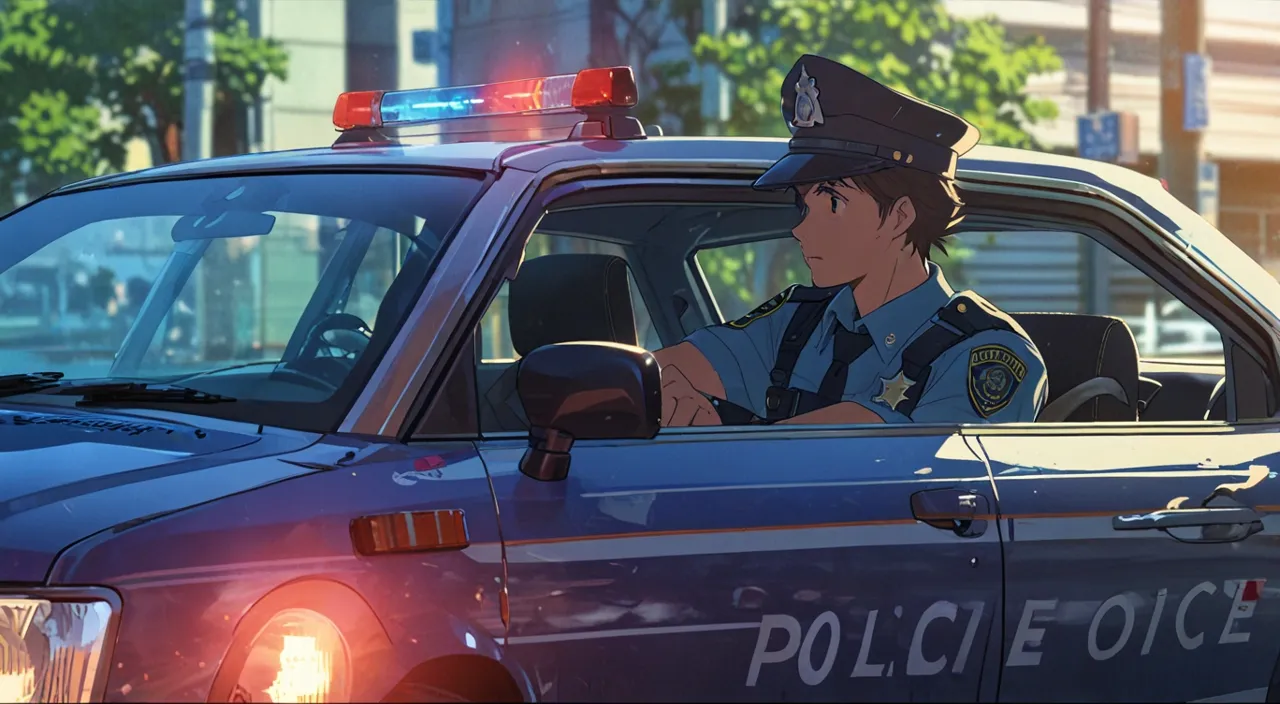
<point x="280" y="291"/>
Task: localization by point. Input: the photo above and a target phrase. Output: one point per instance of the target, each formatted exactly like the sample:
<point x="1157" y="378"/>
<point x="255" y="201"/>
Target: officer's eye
<point x="835" y="204"/>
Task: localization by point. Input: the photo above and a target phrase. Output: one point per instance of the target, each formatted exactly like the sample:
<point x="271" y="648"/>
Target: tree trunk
<point x="605" y="50"/>
<point x="172" y="142"/>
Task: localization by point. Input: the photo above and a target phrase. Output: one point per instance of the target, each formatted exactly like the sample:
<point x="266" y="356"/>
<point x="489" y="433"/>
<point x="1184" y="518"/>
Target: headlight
<point x="298" y="656"/>
<point x="52" y="650"/>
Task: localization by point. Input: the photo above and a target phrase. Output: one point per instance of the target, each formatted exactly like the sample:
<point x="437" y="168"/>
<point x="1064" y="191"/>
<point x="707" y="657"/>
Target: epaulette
<point x="970" y="314"/>
<point x="766" y="308"/>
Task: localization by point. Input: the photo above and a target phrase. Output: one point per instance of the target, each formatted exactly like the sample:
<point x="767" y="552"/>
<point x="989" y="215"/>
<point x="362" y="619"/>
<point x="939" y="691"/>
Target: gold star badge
<point x="895" y="391"/>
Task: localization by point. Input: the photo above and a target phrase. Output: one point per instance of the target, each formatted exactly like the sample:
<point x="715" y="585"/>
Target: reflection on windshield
<point x="268" y="288"/>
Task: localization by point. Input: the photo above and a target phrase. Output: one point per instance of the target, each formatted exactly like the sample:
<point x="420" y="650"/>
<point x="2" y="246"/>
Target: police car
<point x="423" y="460"/>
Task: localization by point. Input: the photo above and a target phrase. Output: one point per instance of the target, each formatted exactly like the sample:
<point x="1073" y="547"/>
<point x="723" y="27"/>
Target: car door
<point x="1140" y="564"/>
<point x="1104" y="605"/>
<point x="775" y="565"/>
<point x="762" y="564"/>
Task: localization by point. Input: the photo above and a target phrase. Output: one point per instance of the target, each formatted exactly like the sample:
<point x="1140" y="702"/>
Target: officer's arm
<point x="843" y="413"/>
<point x="994" y="377"/>
<point x="728" y="361"/>
<point x="694" y="365"/>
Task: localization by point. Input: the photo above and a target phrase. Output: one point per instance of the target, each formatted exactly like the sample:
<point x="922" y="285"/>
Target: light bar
<point x="590" y="88"/>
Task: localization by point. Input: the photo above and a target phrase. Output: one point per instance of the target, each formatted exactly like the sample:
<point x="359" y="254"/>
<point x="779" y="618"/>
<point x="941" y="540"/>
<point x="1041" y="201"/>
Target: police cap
<point x="844" y="123"/>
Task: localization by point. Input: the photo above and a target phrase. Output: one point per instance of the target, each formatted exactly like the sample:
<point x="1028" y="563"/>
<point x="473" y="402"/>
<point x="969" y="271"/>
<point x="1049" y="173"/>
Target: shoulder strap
<point x="812" y="303"/>
<point x="964" y="316"/>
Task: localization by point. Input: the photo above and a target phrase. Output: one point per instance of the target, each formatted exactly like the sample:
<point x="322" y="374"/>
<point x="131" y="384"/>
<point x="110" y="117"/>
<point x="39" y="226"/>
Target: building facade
<point x="1243" y="137"/>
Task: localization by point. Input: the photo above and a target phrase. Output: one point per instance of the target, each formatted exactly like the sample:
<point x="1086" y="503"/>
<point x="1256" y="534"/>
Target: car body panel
<point x="1148" y="615"/>
<point x="201" y="571"/>
<point x="724" y="567"/>
<point x="70" y="474"/>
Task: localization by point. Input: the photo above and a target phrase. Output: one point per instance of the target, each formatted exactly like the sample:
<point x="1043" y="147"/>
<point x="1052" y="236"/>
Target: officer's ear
<point x="902" y="215"/>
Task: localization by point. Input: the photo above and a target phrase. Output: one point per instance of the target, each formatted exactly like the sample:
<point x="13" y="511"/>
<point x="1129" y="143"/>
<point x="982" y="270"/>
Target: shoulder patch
<point x="764" y="309"/>
<point x="995" y="372"/>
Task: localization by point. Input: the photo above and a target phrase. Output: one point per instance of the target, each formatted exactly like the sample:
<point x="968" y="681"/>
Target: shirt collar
<point x="842" y="309"/>
<point x="892" y="324"/>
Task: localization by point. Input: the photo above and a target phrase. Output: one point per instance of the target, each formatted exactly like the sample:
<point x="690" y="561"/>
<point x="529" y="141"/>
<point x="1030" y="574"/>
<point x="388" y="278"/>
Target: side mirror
<point x="585" y="391"/>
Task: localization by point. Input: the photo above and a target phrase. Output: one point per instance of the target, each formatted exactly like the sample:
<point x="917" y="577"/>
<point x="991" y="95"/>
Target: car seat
<point x="1092" y="365"/>
<point x="559" y="298"/>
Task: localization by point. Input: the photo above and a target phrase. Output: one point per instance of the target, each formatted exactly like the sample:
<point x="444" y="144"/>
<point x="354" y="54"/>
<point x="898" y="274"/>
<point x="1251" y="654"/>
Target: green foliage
<point x="83" y="78"/>
<point x="743" y="276"/>
<point x="971" y="67"/>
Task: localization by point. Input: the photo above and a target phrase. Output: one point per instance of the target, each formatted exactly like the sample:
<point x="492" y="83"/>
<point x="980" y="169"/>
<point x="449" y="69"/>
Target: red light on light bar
<point x="605" y="87"/>
<point x="358" y="109"/>
<point x="1165" y="183"/>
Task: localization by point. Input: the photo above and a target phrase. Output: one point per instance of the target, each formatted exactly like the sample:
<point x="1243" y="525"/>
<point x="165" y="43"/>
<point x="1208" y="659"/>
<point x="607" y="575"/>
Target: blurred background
<point x="1184" y="90"/>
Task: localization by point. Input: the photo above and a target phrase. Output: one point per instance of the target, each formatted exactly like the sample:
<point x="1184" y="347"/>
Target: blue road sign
<point x="1195" y="92"/>
<point x="424" y="46"/>
<point x="1098" y="136"/>
<point x="1207" y="192"/>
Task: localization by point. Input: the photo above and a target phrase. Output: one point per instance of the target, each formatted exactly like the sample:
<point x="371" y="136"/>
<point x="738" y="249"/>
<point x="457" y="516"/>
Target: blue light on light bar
<point x="554" y="93"/>
<point x="589" y="89"/>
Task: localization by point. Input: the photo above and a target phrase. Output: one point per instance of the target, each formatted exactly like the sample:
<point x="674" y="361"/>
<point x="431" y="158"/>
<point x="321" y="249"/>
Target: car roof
<point x="534" y="156"/>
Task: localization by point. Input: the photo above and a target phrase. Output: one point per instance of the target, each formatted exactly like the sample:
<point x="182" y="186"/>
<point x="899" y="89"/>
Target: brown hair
<point x="935" y="199"/>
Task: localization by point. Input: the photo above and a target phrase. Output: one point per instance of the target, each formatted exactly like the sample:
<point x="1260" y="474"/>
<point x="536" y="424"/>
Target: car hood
<point x="66" y="475"/>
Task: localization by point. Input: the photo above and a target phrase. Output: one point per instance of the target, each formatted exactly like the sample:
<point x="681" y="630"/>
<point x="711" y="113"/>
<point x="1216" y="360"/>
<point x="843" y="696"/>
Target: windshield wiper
<point x="16" y="384"/>
<point x="105" y="393"/>
<point x="129" y="392"/>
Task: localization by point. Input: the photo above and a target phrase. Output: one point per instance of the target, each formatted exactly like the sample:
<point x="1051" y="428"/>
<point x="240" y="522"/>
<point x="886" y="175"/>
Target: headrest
<point x="570" y="298"/>
<point x="1077" y="348"/>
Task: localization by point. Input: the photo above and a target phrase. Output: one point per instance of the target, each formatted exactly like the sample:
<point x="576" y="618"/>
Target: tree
<point x="971" y="67"/>
<point x="82" y="78"/>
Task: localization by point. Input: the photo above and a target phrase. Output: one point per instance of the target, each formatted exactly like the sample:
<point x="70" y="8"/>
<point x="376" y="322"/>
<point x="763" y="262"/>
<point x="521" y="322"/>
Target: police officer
<point x="879" y="337"/>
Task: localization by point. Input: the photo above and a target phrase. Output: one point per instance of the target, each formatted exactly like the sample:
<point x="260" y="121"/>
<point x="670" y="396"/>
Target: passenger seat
<point x="559" y="298"/>
<point x="1092" y="365"/>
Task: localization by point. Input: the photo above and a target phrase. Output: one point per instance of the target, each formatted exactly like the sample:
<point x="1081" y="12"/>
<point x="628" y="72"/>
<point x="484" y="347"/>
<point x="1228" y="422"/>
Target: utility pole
<point x="1181" y="150"/>
<point x="197" y="113"/>
<point x="715" y="89"/>
<point x="1099" y="55"/>
<point x="1096" y="292"/>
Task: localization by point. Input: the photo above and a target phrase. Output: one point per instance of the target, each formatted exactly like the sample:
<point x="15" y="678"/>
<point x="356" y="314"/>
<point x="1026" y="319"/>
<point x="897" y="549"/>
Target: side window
<point x="741" y="276"/>
<point x="495" y="331"/>
<point x="1025" y="273"/>
<point x="495" y="359"/>
<point x="1020" y="272"/>
<point x="1066" y="272"/>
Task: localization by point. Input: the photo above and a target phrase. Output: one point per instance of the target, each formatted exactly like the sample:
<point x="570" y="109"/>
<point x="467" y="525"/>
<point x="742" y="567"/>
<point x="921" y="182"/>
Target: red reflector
<point x="410" y="531"/>
<point x="1165" y="183"/>
<point x="605" y="87"/>
<point x="358" y="109"/>
<point x="1252" y="590"/>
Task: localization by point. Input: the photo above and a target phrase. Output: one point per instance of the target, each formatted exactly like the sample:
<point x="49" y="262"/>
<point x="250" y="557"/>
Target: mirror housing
<point x="585" y="391"/>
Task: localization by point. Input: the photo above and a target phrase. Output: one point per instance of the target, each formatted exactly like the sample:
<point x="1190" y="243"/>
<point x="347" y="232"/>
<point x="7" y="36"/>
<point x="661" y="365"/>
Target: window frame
<point x="1118" y="227"/>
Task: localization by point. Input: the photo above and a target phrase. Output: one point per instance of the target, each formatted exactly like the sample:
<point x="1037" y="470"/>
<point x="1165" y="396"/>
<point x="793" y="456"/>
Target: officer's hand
<point x="683" y="405"/>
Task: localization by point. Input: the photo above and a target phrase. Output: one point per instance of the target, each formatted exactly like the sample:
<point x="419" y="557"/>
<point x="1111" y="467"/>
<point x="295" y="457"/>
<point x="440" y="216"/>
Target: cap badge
<point x="808" y="111"/>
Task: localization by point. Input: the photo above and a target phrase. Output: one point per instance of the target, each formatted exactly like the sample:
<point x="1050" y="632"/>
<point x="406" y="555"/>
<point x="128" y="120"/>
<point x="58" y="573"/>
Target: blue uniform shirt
<point x="995" y="376"/>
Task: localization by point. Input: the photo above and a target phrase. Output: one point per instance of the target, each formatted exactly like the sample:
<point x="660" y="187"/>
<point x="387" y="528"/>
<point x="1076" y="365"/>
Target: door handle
<point x="1188" y="517"/>
<point x="958" y="510"/>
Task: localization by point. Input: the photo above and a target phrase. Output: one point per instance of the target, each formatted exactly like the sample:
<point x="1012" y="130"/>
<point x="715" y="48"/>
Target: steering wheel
<point x="1215" y="397"/>
<point x="331" y="348"/>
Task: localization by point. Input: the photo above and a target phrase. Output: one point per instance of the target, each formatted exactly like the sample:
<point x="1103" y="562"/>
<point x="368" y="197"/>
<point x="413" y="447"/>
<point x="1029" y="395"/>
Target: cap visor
<point x="798" y="168"/>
